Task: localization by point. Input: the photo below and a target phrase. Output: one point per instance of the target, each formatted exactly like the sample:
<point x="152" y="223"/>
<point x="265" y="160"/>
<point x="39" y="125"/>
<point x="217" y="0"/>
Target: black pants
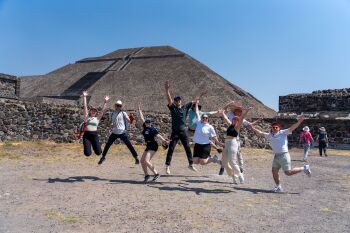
<point x="175" y="136"/>
<point x="322" y="146"/>
<point x="90" y="138"/>
<point x="125" y="138"/>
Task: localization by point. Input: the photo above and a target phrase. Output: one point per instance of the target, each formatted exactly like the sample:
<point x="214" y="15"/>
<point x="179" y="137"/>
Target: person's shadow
<point x="258" y="191"/>
<point x="72" y="179"/>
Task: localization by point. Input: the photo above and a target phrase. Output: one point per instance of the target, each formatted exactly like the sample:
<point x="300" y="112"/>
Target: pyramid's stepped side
<point x="140" y="73"/>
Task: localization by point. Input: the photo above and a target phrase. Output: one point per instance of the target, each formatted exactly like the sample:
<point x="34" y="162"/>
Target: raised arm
<point x="197" y="110"/>
<point x="222" y="112"/>
<point x="229" y="104"/>
<point x="296" y="125"/>
<point x="199" y="96"/>
<point x="167" y="93"/>
<point x="86" y="111"/>
<point x="104" y="108"/>
<point x="141" y="117"/>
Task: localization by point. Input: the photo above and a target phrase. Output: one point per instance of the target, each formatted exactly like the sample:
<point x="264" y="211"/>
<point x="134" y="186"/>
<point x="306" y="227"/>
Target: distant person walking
<point x="306" y="140"/>
<point x="118" y="122"/>
<point x="279" y="143"/>
<point x="322" y="140"/>
<point x="229" y="155"/>
<point x="203" y="135"/>
<point x="179" y="114"/>
<point x="91" y="120"/>
<point x="150" y="134"/>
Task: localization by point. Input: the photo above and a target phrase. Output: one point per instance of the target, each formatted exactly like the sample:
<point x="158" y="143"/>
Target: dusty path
<point x="47" y="187"/>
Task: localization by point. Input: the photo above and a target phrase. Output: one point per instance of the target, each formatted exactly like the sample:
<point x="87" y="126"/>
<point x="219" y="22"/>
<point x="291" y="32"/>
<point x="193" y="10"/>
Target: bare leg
<point x="147" y="161"/>
<point x="143" y="162"/>
<point x="195" y="160"/>
<point x="275" y="175"/>
<point x="293" y="171"/>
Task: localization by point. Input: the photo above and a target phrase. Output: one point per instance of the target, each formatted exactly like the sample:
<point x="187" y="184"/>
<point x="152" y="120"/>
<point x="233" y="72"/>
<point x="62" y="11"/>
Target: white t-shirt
<point x="118" y="123"/>
<point x="203" y="133"/>
<point x="278" y="141"/>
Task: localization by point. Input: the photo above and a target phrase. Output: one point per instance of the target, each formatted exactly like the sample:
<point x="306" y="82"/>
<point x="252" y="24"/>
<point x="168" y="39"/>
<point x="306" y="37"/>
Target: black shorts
<point x="201" y="150"/>
<point x="151" y="146"/>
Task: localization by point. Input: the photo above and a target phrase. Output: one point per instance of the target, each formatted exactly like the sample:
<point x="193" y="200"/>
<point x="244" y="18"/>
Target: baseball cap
<point x="177" y="98"/>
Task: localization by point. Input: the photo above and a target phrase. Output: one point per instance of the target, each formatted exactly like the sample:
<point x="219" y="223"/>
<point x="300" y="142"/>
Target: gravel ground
<point x="47" y="187"/>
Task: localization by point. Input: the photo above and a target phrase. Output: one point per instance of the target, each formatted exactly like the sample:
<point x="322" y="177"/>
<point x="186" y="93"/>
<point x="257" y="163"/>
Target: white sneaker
<point x="277" y="189"/>
<point x="191" y="167"/>
<point x="167" y="170"/>
<point x="234" y="181"/>
<point x="307" y="170"/>
<point x="241" y="179"/>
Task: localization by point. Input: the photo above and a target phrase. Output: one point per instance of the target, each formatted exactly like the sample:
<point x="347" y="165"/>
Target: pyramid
<point x="139" y="74"/>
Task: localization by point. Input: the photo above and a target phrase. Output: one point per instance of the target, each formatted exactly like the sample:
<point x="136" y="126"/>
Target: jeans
<point x="90" y="138"/>
<point x="125" y="138"/>
<point x="306" y="150"/>
<point x="175" y="136"/>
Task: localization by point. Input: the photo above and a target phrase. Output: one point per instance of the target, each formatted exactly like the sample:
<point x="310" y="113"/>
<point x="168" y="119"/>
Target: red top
<point x="305" y="137"/>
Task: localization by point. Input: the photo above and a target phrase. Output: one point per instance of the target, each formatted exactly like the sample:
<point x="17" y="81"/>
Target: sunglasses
<point x="117" y="105"/>
<point x="204" y="117"/>
<point x="275" y="127"/>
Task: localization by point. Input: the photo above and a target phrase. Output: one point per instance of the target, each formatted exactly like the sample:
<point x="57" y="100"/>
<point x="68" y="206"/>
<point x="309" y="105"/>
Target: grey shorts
<point x="282" y="160"/>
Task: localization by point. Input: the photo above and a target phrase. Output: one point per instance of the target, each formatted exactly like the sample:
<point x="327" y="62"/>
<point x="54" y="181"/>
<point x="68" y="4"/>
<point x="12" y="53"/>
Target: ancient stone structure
<point x="9" y="86"/>
<point x="138" y="73"/>
<point x="318" y="101"/>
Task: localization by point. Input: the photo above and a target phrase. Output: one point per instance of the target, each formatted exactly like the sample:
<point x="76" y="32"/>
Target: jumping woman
<point x="150" y="134"/>
<point x="91" y="120"/>
<point x="202" y="135"/>
<point x="229" y="156"/>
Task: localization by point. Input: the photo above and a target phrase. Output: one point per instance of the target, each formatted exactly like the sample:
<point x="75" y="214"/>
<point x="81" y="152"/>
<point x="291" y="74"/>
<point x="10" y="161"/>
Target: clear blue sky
<point x="267" y="47"/>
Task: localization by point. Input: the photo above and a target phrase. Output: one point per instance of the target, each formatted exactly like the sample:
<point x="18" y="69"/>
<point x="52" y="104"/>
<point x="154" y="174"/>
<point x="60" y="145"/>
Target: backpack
<point x="124" y="118"/>
<point x="81" y="129"/>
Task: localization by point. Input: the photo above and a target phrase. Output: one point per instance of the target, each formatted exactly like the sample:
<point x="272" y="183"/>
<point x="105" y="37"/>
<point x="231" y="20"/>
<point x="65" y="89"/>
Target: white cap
<point x="306" y="128"/>
<point x="119" y="102"/>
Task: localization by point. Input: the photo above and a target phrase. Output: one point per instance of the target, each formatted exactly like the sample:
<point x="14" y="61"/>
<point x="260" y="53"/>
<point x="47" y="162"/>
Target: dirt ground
<point x="48" y="187"/>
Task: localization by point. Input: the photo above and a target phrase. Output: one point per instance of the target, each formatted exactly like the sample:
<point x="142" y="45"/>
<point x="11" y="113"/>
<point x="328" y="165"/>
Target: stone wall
<point x="25" y="120"/>
<point x="337" y="100"/>
<point x="9" y="86"/>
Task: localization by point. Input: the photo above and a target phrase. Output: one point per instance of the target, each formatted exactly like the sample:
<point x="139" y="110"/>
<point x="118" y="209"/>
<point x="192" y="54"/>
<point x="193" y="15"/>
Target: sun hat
<point x="119" y="102"/>
<point x="306" y="128"/>
<point x="322" y="129"/>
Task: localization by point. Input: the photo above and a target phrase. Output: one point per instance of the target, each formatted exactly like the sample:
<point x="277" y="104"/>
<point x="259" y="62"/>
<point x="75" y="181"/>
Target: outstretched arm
<point x="161" y="138"/>
<point x="258" y="132"/>
<point x="141" y="118"/>
<point x="167" y="93"/>
<point x="294" y="126"/>
<point x="229" y="104"/>
<point x="104" y="108"/>
<point x="86" y="111"/>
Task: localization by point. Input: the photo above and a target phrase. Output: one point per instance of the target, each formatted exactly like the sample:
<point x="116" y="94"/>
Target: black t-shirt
<point x="178" y="116"/>
<point x="149" y="133"/>
<point x="231" y="131"/>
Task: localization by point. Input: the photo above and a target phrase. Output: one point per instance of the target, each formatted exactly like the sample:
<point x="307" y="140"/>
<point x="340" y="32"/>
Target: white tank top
<point x="92" y="123"/>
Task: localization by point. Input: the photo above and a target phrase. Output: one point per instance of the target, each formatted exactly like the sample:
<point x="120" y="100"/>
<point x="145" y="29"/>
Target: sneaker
<point x="305" y="160"/>
<point x="241" y="179"/>
<point x="234" y="181"/>
<point x="103" y="158"/>
<point x="241" y="169"/>
<point x="307" y="170"/>
<point x="191" y="167"/>
<point x="167" y="170"/>
<point x="137" y="161"/>
<point x="147" y="177"/>
<point x="221" y="172"/>
<point x="156" y="177"/>
<point x="277" y="189"/>
<point x="216" y="159"/>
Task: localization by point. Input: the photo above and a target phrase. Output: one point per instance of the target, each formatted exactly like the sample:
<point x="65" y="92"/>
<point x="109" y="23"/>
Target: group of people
<point x="204" y="137"/>
<point x="306" y="141"/>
